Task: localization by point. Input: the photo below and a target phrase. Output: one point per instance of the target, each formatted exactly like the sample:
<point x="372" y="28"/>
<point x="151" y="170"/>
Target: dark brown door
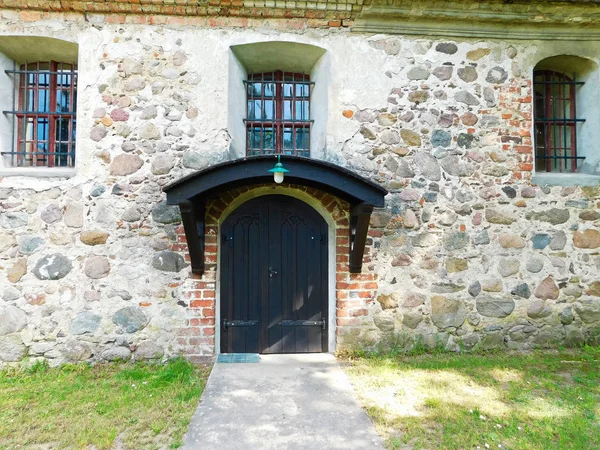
<point x="274" y="278"/>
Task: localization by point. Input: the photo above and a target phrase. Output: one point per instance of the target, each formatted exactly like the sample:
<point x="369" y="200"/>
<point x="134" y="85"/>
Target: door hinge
<point x="238" y="323"/>
<point x="303" y="323"/>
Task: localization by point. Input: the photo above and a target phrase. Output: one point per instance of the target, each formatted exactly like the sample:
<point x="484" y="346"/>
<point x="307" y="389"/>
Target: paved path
<point x="285" y="402"/>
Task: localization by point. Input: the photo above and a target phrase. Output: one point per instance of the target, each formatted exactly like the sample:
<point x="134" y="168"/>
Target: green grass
<point x="135" y="406"/>
<point x="464" y="401"/>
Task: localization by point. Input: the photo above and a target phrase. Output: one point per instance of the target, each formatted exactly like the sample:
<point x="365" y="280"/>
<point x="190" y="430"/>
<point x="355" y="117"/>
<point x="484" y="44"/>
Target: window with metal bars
<point x="556" y="121"/>
<point x="278" y="114"/>
<point x="44" y="108"/>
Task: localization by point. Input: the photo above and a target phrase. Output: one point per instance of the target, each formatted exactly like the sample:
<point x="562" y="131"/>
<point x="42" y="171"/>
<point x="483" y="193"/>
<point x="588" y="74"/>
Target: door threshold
<point x="242" y="358"/>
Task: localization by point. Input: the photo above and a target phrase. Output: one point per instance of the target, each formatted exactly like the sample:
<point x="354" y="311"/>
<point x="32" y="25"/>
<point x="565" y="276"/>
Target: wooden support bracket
<point x="360" y="215"/>
<point x="193" y="218"/>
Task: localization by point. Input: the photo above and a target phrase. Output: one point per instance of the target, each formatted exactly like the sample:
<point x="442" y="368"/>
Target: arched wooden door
<point x="273" y="275"/>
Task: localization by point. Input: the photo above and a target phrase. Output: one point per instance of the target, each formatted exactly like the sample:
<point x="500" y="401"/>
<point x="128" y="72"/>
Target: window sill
<point x="38" y="172"/>
<point x="565" y="179"/>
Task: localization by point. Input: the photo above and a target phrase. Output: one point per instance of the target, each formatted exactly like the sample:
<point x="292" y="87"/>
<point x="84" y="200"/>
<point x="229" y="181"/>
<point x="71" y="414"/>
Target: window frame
<point x="29" y="114"/>
<point x="279" y="123"/>
<point x="557" y="88"/>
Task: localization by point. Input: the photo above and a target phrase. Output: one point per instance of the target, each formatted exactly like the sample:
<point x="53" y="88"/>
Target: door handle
<point x="272" y="272"/>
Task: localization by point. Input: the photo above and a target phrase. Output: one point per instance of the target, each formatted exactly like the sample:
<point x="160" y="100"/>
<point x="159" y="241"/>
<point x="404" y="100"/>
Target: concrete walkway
<point x="284" y="402"/>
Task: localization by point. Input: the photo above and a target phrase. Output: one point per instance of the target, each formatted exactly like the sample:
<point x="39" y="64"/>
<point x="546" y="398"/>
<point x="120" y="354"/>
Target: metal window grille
<point x="45" y="111"/>
<point x="556" y="122"/>
<point x="278" y="114"/>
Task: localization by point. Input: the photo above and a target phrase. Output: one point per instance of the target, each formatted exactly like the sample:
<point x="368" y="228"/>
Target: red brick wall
<point x="354" y="292"/>
<point x="213" y="13"/>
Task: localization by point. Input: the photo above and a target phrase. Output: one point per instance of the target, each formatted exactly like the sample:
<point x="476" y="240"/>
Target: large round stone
<point x="116" y="354"/>
<point x="508" y="267"/>
<point x="73" y="216"/>
<point x="418" y="73"/>
<point x="12" y="349"/>
<point x="566" y="316"/>
<point x="478" y="53"/>
<point x="419" y="96"/>
<point x="149" y="350"/>
<point x="389" y="301"/>
<point x="467" y="98"/>
<point x="194" y="160"/>
<point x="495" y="306"/>
<point x="586" y="239"/>
<point x="547" y="289"/>
<point x="125" y="164"/>
<point x="163" y="213"/>
<point x="499" y="217"/>
<point x="538" y="310"/>
<point x="446" y="312"/>
<point x="455" y="240"/>
<point x="496" y="75"/>
<point x="93" y="237"/>
<point x="168" y="261"/>
<point x="510" y="240"/>
<point x="149" y="131"/>
<point x="52" y="213"/>
<point x="468" y="74"/>
<point x="448" y="48"/>
<point x="574" y="337"/>
<point x="558" y="241"/>
<point x="12" y="320"/>
<point x="540" y="241"/>
<point x="441" y="138"/>
<point x="14" y="219"/>
<point x="96" y="267"/>
<point x="428" y="165"/>
<point x="6" y="241"/>
<point x="535" y="265"/>
<point x="443" y="73"/>
<point x="75" y="351"/>
<point x="457" y="166"/>
<point x="85" y="322"/>
<point x="413" y="299"/>
<point x="17" y="271"/>
<point x="410" y="138"/>
<point x="131" y="214"/>
<point x="553" y="216"/>
<point x="522" y="290"/>
<point x="52" y="267"/>
<point x="130" y="319"/>
<point x="162" y="164"/>
<point x="588" y="310"/>
<point x="412" y="319"/>
<point x="390" y="137"/>
<point x="29" y="244"/>
<point x="98" y="133"/>
<point x="384" y="321"/>
<point x="474" y="289"/>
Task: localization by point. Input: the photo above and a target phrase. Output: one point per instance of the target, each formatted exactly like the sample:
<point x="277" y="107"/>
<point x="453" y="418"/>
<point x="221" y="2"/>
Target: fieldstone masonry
<point x="467" y="253"/>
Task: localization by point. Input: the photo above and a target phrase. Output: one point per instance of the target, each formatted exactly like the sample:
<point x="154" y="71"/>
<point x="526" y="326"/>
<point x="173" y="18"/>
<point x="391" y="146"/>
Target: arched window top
<point x="25" y="49"/>
<point x="295" y="57"/>
<point x="567" y="64"/>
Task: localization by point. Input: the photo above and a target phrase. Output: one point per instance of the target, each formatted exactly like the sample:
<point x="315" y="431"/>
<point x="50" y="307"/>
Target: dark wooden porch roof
<point x="192" y="191"/>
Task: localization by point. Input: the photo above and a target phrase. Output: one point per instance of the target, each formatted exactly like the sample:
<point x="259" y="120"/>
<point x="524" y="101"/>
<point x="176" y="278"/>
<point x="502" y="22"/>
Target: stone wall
<point x="467" y="253"/>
